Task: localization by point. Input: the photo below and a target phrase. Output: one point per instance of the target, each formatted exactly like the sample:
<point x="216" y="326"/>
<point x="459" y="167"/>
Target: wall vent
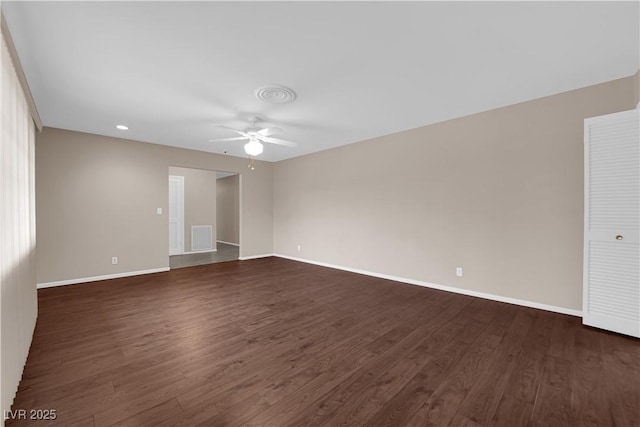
<point x="201" y="238"/>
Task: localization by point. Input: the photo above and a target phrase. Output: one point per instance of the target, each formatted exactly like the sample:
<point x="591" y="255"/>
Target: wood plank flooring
<point x="273" y="342"/>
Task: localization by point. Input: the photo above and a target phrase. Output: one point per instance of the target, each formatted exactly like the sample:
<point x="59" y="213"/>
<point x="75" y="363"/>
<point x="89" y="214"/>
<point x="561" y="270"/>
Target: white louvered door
<point x="612" y="223"/>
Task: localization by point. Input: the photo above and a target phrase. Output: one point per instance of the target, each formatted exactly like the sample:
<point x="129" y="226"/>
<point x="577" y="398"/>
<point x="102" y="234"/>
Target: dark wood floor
<point x="272" y="342"/>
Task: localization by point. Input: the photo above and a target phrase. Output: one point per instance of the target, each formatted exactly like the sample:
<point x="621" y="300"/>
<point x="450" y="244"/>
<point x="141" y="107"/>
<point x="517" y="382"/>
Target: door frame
<point x="179" y="214"/>
<point x="240" y="240"/>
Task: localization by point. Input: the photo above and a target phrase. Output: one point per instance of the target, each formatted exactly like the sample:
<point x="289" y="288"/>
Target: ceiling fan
<point x="256" y="136"/>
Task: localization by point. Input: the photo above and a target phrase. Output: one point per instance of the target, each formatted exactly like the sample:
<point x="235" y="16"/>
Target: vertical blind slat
<point x="18" y="295"/>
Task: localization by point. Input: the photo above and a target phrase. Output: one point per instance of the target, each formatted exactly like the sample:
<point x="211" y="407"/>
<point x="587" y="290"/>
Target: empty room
<point x="324" y="213"/>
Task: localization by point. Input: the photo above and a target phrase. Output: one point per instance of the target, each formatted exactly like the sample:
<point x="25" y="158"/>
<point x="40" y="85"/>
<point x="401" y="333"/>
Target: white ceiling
<point x="170" y="70"/>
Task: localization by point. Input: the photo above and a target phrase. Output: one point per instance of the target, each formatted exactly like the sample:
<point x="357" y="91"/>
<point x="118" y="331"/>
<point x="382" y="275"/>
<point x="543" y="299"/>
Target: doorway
<point x="203" y="216"/>
<point x="176" y="214"/>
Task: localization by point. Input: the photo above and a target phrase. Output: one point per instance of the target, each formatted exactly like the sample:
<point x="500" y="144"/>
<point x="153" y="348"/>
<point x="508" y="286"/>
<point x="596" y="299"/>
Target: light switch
<point x="159" y="211"/>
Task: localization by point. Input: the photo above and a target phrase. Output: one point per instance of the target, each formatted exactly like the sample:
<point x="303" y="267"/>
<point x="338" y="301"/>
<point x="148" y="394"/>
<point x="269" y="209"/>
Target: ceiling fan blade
<point x="278" y="141"/>
<point x="238" y="138"/>
<point x="269" y="131"/>
<point x="230" y="128"/>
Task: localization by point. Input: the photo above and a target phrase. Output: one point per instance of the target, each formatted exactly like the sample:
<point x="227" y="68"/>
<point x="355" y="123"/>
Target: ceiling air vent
<point x="274" y="94"/>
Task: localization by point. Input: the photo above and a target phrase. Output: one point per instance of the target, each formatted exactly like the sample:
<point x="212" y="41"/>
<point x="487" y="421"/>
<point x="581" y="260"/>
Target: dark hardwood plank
<point x="273" y="342"/>
<point x="589" y="398"/>
<point x="554" y="402"/>
<point x="445" y="401"/>
<point x="620" y="378"/>
<point x="462" y="421"/>
<point x="442" y="319"/>
<point x="516" y="405"/>
<point x="563" y="337"/>
<point x="483" y="398"/>
<point x="148" y="417"/>
<point x="442" y="350"/>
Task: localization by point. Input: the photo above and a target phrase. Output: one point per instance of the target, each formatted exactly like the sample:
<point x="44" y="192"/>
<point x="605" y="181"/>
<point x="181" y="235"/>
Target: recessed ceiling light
<point x="122" y="127"/>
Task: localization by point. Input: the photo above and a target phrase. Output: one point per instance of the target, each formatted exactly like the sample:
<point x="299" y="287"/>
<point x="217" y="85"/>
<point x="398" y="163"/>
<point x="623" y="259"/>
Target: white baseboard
<point x="228" y="243"/>
<point x="96" y="278"/>
<point x="244" y="258"/>
<point x="196" y="252"/>
<point x="499" y="298"/>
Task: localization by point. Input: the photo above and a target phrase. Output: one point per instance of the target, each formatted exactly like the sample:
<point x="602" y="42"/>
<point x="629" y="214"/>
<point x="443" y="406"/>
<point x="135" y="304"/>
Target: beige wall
<point x="97" y="197"/>
<point x="228" y="208"/>
<point x="636" y="89"/>
<point x="199" y="200"/>
<point x="498" y="193"/>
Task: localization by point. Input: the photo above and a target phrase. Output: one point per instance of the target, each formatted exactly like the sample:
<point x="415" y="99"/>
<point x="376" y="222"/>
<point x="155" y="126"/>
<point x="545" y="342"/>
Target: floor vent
<point x="201" y="237"/>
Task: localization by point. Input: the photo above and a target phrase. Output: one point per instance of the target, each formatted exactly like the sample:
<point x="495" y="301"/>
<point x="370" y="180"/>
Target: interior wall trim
<point x="97" y="278"/>
<point x="244" y="258"/>
<point x="196" y="252"/>
<point x="228" y="243"/>
<point x="499" y="298"/>
<point x="492" y="297"/>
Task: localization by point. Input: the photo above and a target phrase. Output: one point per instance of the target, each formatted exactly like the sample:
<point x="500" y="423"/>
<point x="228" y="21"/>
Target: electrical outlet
<point x="459" y="271"/>
<point x="114" y="260"/>
<point x="298" y="248"/>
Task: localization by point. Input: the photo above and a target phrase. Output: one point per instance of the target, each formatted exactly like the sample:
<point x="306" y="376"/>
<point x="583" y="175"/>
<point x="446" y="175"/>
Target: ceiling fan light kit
<point x="258" y="136"/>
<point x="253" y="147"/>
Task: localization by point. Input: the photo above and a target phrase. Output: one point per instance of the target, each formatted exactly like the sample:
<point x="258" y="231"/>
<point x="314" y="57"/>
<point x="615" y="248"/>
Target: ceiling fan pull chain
<point x="251" y="165"/>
